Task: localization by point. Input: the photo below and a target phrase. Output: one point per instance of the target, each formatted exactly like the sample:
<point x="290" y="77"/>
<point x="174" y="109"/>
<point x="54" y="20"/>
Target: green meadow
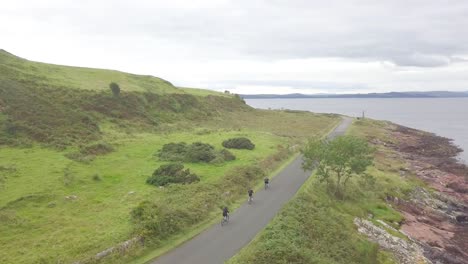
<point x="59" y="203"/>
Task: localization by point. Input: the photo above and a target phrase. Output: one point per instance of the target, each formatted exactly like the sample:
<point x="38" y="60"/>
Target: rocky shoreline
<point x="435" y="216"/>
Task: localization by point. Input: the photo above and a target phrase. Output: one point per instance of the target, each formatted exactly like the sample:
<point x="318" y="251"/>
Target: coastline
<point x="435" y="214"/>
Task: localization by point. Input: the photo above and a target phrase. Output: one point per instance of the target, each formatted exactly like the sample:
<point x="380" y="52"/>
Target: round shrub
<point x="200" y="152"/>
<point x="227" y="155"/>
<point x="239" y="143"/>
<point x="173" y="151"/>
<point x="223" y="156"/>
<point x="172" y="173"/>
<point x="195" y="152"/>
<point x="114" y="88"/>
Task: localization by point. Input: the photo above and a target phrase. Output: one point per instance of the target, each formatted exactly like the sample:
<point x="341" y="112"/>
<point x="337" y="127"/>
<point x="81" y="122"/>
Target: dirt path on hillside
<point x="217" y="244"/>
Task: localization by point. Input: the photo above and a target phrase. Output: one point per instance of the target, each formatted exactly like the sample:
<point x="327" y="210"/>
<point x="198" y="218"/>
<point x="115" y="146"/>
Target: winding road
<point x="217" y="244"/>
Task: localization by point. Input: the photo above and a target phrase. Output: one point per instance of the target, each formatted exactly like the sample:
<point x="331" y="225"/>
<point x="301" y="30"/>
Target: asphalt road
<point x="219" y="243"/>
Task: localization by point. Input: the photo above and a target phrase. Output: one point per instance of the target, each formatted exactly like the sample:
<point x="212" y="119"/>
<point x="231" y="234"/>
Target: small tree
<point x="114" y="88"/>
<point x="341" y="158"/>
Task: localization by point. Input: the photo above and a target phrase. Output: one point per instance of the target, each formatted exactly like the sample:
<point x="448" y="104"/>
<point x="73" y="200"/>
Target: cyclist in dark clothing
<point x="267" y="183"/>
<point x="225" y="212"/>
<point x="225" y="216"/>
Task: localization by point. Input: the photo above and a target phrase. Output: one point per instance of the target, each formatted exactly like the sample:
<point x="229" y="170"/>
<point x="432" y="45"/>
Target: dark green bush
<point x="172" y="173"/>
<point x="173" y="151"/>
<point x="239" y="143"/>
<point x="223" y="156"/>
<point x="96" y="177"/>
<point x="200" y="152"/>
<point x="114" y="88"/>
<point x="195" y="152"/>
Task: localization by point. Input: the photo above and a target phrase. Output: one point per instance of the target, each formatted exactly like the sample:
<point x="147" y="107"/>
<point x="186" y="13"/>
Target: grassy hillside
<point x="47" y="75"/>
<point x="62" y="106"/>
<point x="74" y="158"/>
<point x="315" y="227"/>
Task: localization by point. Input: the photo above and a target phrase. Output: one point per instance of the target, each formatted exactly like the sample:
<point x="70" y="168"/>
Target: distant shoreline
<point x="442" y="116"/>
<point x="432" y="94"/>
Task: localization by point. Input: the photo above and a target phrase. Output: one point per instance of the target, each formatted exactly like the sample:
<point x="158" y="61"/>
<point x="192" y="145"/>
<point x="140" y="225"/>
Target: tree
<point x="114" y="88"/>
<point x="338" y="160"/>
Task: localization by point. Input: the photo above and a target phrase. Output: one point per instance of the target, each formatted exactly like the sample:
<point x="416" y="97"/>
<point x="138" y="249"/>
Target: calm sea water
<point x="446" y="117"/>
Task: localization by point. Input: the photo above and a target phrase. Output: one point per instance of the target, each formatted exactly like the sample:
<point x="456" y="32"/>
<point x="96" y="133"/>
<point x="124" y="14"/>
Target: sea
<point x="447" y="117"/>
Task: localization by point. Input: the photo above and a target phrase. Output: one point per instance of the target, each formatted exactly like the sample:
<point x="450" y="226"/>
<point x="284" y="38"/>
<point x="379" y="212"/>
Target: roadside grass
<point x="314" y="227"/>
<point x="372" y="129"/>
<point x="145" y="254"/>
<point x="44" y="225"/>
<point x="101" y="207"/>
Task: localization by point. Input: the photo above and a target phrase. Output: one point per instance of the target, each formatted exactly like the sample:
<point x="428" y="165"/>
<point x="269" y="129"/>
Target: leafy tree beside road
<point x="337" y="161"/>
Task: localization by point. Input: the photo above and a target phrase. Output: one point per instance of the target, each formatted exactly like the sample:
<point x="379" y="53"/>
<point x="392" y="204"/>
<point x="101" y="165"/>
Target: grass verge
<point x="314" y="227"/>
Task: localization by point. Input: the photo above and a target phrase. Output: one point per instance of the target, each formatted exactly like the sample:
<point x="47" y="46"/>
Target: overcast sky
<point x="252" y="46"/>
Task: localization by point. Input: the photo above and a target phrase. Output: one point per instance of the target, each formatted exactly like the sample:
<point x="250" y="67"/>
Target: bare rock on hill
<point x="406" y="252"/>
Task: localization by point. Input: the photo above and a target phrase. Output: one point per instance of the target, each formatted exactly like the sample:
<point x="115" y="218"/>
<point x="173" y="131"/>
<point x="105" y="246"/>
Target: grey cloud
<point x="421" y="33"/>
<point x="423" y="60"/>
<point x="408" y="33"/>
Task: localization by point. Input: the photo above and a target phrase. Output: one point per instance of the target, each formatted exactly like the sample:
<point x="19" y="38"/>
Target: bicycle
<point x="267" y="183"/>
<point x="250" y="192"/>
<point x="225" y="220"/>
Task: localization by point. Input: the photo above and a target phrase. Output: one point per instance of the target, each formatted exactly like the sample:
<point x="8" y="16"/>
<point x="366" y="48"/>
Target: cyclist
<point x="267" y="183"/>
<point x="225" y="214"/>
<point x="250" y="195"/>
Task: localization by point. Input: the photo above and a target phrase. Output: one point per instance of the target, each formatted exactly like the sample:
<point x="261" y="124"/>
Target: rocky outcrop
<point x="434" y="217"/>
<point x="434" y="220"/>
<point x="407" y="252"/>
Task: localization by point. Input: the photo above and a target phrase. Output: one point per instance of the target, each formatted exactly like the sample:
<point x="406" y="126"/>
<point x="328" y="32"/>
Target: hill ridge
<point x="66" y="105"/>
